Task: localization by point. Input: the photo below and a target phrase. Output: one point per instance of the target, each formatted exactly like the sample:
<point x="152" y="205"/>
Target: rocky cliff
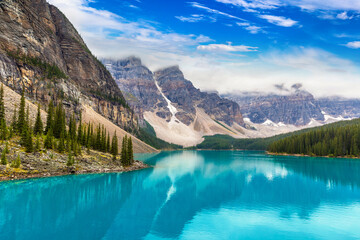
<point x="187" y="98"/>
<point x="138" y="85"/>
<point x="340" y="107"/>
<point x="42" y="51"/>
<point x="179" y="112"/>
<point x="297" y="108"/>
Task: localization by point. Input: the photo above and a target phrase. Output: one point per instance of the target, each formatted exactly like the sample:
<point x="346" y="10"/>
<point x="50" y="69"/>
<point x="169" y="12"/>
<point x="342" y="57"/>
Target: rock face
<point x="298" y="108"/>
<point x="42" y="51"/>
<point x="138" y="85"/>
<point x="340" y="107"/>
<point x="186" y="98"/>
<point x="179" y="112"/>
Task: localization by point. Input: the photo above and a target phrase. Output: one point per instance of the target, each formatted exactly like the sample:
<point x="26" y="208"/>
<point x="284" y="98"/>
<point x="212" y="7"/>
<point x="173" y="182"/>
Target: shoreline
<point x="13" y="175"/>
<point x="304" y="155"/>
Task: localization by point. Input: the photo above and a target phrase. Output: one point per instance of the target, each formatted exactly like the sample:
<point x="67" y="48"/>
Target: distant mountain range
<point x="298" y="108"/>
<point x="179" y="112"/>
<point x="183" y="114"/>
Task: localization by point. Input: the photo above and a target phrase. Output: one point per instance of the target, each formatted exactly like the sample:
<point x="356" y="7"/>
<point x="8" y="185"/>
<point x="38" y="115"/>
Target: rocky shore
<point x="50" y="163"/>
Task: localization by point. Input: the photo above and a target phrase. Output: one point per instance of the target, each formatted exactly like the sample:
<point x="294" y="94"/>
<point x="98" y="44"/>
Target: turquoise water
<point x="191" y="195"/>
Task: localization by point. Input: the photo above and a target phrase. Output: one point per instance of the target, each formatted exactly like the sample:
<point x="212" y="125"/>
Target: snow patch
<point x="312" y="122"/>
<point x="171" y="108"/>
<point x="331" y="118"/>
<point x="247" y="120"/>
<point x="268" y="122"/>
<point x="281" y="124"/>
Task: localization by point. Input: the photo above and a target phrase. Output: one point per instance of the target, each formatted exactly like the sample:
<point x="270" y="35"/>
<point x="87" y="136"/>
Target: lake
<point x="191" y="195"/>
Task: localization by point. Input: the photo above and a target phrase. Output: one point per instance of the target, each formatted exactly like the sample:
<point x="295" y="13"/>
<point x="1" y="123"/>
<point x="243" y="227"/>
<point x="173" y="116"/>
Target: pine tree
<point x="78" y="149"/>
<point x="48" y="144"/>
<point x="3" y="158"/>
<point x="108" y="146"/>
<point x="130" y="152"/>
<point x="80" y="129"/>
<point x="72" y="128"/>
<point x="37" y="145"/>
<point x="27" y="119"/>
<point x="38" y="128"/>
<point x="103" y="139"/>
<point x="22" y="118"/>
<point x="50" y="117"/>
<point x="25" y="130"/>
<point x="61" y="145"/>
<point x="124" y="151"/>
<point x="7" y="150"/>
<point x="70" y="160"/>
<point x="98" y="138"/>
<point x="114" y="146"/>
<point x="68" y="143"/>
<point x="3" y="129"/>
<point x="88" y="136"/>
<point x="2" y="104"/>
<point x="14" y="122"/>
<point x="29" y="142"/>
<point x="59" y="121"/>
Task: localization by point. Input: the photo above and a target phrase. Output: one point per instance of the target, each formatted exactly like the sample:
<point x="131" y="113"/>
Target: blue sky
<point x="231" y="45"/>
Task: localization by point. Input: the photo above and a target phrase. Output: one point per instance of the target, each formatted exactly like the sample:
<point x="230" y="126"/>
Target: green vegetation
<point x="223" y="125"/>
<point x="51" y="71"/>
<point x="3" y="158"/>
<point x="62" y="133"/>
<point x="114" y="146"/>
<point x="148" y="135"/>
<point x="127" y="156"/>
<point x="16" y="163"/>
<point x="3" y="128"/>
<point x="225" y="142"/>
<point x="111" y="98"/>
<point x="341" y="139"/>
<point x="70" y="160"/>
<point x="38" y="128"/>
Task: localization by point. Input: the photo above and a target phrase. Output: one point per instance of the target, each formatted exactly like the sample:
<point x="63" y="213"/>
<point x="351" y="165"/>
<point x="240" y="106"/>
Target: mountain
<point x="41" y="51"/>
<point x="138" y="85"/>
<point x="178" y="112"/>
<point x="298" y="108"/>
<point x="340" y="107"/>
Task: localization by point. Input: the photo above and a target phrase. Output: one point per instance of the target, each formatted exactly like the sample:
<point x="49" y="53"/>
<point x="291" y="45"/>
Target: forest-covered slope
<point x="337" y="139"/>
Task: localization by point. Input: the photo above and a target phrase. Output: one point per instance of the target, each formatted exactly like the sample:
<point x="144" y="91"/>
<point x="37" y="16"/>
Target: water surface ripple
<point x="191" y="195"/>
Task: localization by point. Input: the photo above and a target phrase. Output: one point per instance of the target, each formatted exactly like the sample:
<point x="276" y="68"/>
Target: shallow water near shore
<point x="191" y="195"/>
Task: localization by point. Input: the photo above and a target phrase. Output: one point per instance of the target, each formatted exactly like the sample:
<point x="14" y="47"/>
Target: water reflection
<point x="185" y="194"/>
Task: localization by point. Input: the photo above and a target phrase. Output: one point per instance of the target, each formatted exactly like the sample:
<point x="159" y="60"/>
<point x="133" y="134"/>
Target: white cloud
<point x="226" y="48"/>
<point x="343" y="16"/>
<point x="309" y="59"/>
<point x="304" y="4"/>
<point x="214" y="11"/>
<point x="253" y="4"/>
<point x="325" y="5"/>
<point x="355" y="44"/>
<point x="279" y="21"/>
<point x="98" y="26"/>
<point x="196" y="18"/>
<point x="251" y="28"/>
<point x="224" y="70"/>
